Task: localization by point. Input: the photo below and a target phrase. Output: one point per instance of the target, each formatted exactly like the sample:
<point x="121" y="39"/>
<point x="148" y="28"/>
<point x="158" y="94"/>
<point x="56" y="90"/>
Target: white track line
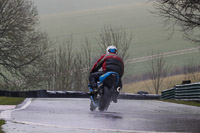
<point x="87" y="129"/>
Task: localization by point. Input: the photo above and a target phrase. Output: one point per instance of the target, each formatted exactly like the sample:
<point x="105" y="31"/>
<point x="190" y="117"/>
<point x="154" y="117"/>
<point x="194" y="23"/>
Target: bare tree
<point x="157" y="70"/>
<point x="67" y="68"/>
<point x="87" y="62"/>
<point x="184" y="13"/>
<point x="78" y="73"/>
<point x="21" y="44"/>
<point x="116" y="36"/>
<point x="60" y="66"/>
<point x="192" y="70"/>
<point x="31" y="75"/>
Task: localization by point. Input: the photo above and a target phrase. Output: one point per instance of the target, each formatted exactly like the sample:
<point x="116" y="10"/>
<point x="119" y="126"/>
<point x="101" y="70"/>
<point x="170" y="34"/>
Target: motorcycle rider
<point x="110" y="61"/>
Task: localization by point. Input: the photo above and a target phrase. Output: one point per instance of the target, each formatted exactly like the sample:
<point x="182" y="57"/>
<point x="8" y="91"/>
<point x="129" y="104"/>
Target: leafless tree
<point x="184" y="13"/>
<point x="192" y="70"/>
<point x="21" y="43"/>
<point x="67" y="68"/>
<point x="157" y="70"/>
<point x="60" y="66"/>
<point x="87" y="62"/>
<point x="31" y="75"/>
<point x="116" y="36"/>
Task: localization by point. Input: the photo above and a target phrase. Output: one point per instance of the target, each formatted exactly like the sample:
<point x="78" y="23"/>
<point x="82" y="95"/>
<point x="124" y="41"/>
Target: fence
<point x="183" y="92"/>
<point x="69" y="94"/>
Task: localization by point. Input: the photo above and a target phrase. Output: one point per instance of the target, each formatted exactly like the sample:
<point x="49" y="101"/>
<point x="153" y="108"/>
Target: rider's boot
<point x="94" y="91"/>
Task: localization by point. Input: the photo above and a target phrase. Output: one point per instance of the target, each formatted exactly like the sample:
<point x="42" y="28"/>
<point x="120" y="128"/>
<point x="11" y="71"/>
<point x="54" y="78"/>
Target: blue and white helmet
<point x="111" y="49"/>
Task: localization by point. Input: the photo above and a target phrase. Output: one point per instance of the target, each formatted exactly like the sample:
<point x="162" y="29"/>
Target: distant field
<point x="146" y="85"/>
<point x="171" y="62"/>
<point x="148" y="31"/>
<point x="134" y="16"/>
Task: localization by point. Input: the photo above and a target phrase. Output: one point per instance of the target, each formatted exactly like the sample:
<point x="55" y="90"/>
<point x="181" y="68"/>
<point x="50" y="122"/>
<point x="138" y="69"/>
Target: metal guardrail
<point x="183" y="92"/>
<point x="70" y="94"/>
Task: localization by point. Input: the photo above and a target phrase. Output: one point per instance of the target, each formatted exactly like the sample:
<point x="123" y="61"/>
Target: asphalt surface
<point x="7" y="107"/>
<point x="127" y="116"/>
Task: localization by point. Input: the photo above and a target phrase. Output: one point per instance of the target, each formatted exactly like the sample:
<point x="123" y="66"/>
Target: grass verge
<point x="192" y="103"/>
<point x="9" y="101"/>
<point x="1" y="123"/>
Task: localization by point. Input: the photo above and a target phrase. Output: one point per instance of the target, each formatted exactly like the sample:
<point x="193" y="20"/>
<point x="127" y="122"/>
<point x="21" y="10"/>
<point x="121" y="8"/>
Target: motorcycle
<point x="107" y="89"/>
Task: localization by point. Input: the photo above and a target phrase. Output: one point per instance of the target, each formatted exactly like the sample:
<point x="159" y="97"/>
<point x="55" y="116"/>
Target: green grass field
<point x="2" y="122"/>
<point x="11" y="100"/>
<point x="171" y="62"/>
<point x="147" y="29"/>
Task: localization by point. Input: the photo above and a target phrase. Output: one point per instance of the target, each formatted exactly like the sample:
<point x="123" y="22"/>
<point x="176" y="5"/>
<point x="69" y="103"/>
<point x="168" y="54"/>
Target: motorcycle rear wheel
<point x="105" y="100"/>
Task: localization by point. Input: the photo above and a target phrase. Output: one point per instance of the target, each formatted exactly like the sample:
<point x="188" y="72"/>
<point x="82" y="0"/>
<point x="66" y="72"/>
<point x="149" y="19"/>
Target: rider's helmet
<point x="111" y="49"/>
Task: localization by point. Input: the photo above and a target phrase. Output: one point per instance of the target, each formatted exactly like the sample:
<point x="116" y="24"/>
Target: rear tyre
<point x="105" y="100"/>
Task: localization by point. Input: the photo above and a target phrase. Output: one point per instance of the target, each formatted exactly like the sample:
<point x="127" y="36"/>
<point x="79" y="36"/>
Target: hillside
<point x="86" y="19"/>
<point x="147" y="86"/>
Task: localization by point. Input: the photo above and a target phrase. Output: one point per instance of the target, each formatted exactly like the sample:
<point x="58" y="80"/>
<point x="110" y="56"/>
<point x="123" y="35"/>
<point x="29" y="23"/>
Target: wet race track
<point x="126" y="116"/>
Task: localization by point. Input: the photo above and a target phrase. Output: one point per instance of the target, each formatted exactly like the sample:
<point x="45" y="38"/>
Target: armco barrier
<point x="67" y="94"/>
<point x="183" y="92"/>
<point x="168" y="94"/>
<point x="27" y="94"/>
<point x="70" y="94"/>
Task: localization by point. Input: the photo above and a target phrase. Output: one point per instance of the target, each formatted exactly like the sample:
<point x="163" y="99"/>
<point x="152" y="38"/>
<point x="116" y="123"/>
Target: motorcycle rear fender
<point x="104" y="76"/>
